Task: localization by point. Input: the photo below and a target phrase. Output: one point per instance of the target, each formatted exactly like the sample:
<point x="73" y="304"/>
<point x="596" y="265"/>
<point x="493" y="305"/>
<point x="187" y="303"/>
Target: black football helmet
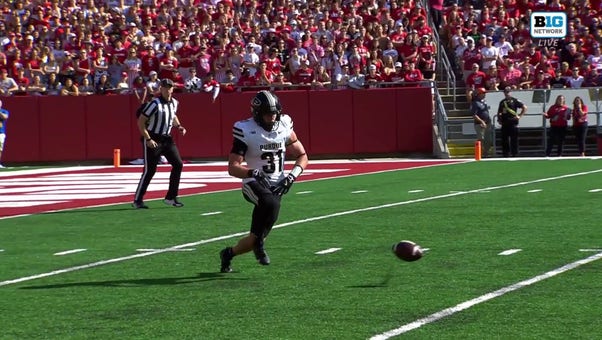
<point x="265" y="103"/>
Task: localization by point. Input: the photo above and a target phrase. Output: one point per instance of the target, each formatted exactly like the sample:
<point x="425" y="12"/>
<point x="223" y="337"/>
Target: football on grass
<point x="407" y="251"/>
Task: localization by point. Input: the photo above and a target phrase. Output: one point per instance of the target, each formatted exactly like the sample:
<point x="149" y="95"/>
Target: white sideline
<point x="467" y="304"/>
<point x="282" y="225"/>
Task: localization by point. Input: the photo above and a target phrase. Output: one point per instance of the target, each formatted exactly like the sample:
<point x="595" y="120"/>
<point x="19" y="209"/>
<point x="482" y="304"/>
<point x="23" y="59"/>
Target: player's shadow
<point x="383" y="283"/>
<point x="201" y="277"/>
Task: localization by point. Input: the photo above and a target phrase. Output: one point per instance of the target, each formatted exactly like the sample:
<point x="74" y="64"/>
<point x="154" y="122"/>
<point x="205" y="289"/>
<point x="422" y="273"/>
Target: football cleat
<point x="261" y="256"/>
<point x="226" y="259"/>
<point x="139" y="205"/>
<point x="174" y="203"/>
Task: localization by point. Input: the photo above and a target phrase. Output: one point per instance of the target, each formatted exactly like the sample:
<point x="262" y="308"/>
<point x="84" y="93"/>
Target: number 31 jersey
<point x="263" y="149"/>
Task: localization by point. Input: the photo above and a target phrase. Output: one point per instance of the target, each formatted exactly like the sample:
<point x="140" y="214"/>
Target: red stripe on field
<point x="312" y="173"/>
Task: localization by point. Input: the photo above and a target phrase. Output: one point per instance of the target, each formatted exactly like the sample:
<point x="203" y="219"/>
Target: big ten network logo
<point x="548" y="27"/>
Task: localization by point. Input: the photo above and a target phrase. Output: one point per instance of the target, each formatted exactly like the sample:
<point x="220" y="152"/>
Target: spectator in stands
<point x="540" y="82"/>
<point x="576" y="81"/>
<point x="293" y="64"/>
<point x="263" y="76"/>
<point x="53" y="85"/>
<point x="492" y="79"/>
<point x="104" y="86"/>
<point x="85" y="88"/>
<point x="491" y="54"/>
<point x="281" y="81"/>
<point x="7" y="85"/>
<point x="408" y="51"/>
<point x="123" y="86"/>
<point x="558" y="114"/>
<point x="153" y="84"/>
<point x="357" y="80"/>
<point x="229" y="83"/>
<point x="21" y="80"/>
<point x="140" y="90"/>
<point x="475" y="80"/>
<point x="83" y="67"/>
<point x="413" y="74"/>
<point x="150" y="62"/>
<point x="390" y="51"/>
<point x="50" y="66"/>
<point x="245" y="79"/>
<point x="527" y="77"/>
<point x="595" y="59"/>
<point x="504" y="46"/>
<point x="304" y="75"/>
<point x="211" y="86"/>
<point x="235" y="61"/>
<point x="250" y="60"/>
<point x="70" y="89"/>
<point x="593" y="78"/>
<point x="132" y="65"/>
<point x="322" y="78"/>
<point x="114" y="70"/>
<point x="193" y="84"/>
<point x="373" y="77"/>
<point x="471" y="56"/>
<point x="167" y="64"/>
<point x="36" y="88"/>
<point x="388" y="67"/>
<point x="558" y="81"/>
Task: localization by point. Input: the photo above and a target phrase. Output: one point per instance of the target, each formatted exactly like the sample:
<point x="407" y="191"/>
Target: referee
<point x="155" y="123"/>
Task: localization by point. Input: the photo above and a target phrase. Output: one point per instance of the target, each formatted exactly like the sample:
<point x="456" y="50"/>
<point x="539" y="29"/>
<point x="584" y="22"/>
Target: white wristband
<point x="297" y="170"/>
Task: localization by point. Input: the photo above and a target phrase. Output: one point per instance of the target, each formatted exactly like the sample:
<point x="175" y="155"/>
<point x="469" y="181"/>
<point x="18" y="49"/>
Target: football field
<point x="513" y="251"/>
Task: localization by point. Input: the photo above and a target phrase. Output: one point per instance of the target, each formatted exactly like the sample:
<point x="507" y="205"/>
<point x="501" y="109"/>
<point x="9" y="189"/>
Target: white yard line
<point x="211" y="213"/>
<point x="483" y="298"/>
<point x="287" y="224"/>
<point x="509" y="252"/>
<point x="327" y="251"/>
<point x="67" y="252"/>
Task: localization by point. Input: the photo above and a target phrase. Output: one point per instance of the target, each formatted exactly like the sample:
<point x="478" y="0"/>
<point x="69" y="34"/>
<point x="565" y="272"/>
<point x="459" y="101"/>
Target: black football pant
<point x="267" y="208"/>
<point x="509" y="140"/>
<point x="556" y="135"/>
<point x="580" y="135"/>
<point x="167" y="148"/>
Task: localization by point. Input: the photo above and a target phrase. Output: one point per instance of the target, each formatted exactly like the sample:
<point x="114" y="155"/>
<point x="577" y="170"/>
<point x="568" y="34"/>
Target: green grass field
<point x="465" y="214"/>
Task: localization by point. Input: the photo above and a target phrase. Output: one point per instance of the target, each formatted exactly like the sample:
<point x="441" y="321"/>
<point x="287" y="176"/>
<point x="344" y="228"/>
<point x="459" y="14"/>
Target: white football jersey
<point x="266" y="150"/>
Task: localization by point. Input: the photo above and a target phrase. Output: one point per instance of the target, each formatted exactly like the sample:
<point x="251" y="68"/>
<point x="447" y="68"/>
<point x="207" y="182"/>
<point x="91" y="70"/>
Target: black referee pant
<point x="167" y="148"/>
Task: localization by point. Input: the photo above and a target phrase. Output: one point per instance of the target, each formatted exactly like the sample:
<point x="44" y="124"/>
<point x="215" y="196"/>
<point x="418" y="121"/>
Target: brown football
<point x="407" y="251"/>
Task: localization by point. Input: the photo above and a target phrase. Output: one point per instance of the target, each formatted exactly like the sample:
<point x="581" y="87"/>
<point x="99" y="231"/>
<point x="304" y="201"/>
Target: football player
<point x="262" y="142"/>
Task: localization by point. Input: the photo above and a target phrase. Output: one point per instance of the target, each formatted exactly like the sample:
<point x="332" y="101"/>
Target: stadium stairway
<point x="458" y="117"/>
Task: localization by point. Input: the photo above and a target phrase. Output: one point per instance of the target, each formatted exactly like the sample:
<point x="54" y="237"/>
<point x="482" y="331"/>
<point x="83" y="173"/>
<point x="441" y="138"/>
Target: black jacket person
<point x="509" y="113"/>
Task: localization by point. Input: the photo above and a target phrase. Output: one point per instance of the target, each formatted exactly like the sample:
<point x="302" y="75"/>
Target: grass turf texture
<point x="354" y="293"/>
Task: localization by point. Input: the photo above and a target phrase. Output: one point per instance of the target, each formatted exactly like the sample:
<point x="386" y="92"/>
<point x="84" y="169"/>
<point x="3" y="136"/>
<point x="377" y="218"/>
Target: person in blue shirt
<point x="3" y="119"/>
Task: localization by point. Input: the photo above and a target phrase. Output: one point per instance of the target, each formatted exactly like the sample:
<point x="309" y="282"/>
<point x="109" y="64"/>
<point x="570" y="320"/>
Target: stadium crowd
<point x="493" y="47"/>
<point x="75" y="47"/>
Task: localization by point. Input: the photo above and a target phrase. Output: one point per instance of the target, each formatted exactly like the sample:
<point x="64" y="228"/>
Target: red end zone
<point x="45" y="190"/>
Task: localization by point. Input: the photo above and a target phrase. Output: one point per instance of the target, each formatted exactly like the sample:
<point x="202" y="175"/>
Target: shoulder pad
<point x="286" y="120"/>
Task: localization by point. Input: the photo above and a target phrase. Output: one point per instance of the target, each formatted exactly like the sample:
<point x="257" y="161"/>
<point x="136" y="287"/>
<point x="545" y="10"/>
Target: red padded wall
<point x="109" y="122"/>
<point x="203" y="123"/>
<point x="331" y="122"/>
<point x="338" y="122"/>
<point x="414" y="120"/>
<point x="22" y="130"/>
<point x="374" y="121"/>
<point x="63" y="128"/>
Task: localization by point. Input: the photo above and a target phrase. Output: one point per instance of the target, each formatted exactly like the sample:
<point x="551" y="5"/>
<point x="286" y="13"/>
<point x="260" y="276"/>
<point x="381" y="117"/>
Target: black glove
<point x="284" y="185"/>
<point x="260" y="178"/>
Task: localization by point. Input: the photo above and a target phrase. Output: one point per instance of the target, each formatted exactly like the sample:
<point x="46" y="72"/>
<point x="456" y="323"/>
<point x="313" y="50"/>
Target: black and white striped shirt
<point x="160" y="115"/>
